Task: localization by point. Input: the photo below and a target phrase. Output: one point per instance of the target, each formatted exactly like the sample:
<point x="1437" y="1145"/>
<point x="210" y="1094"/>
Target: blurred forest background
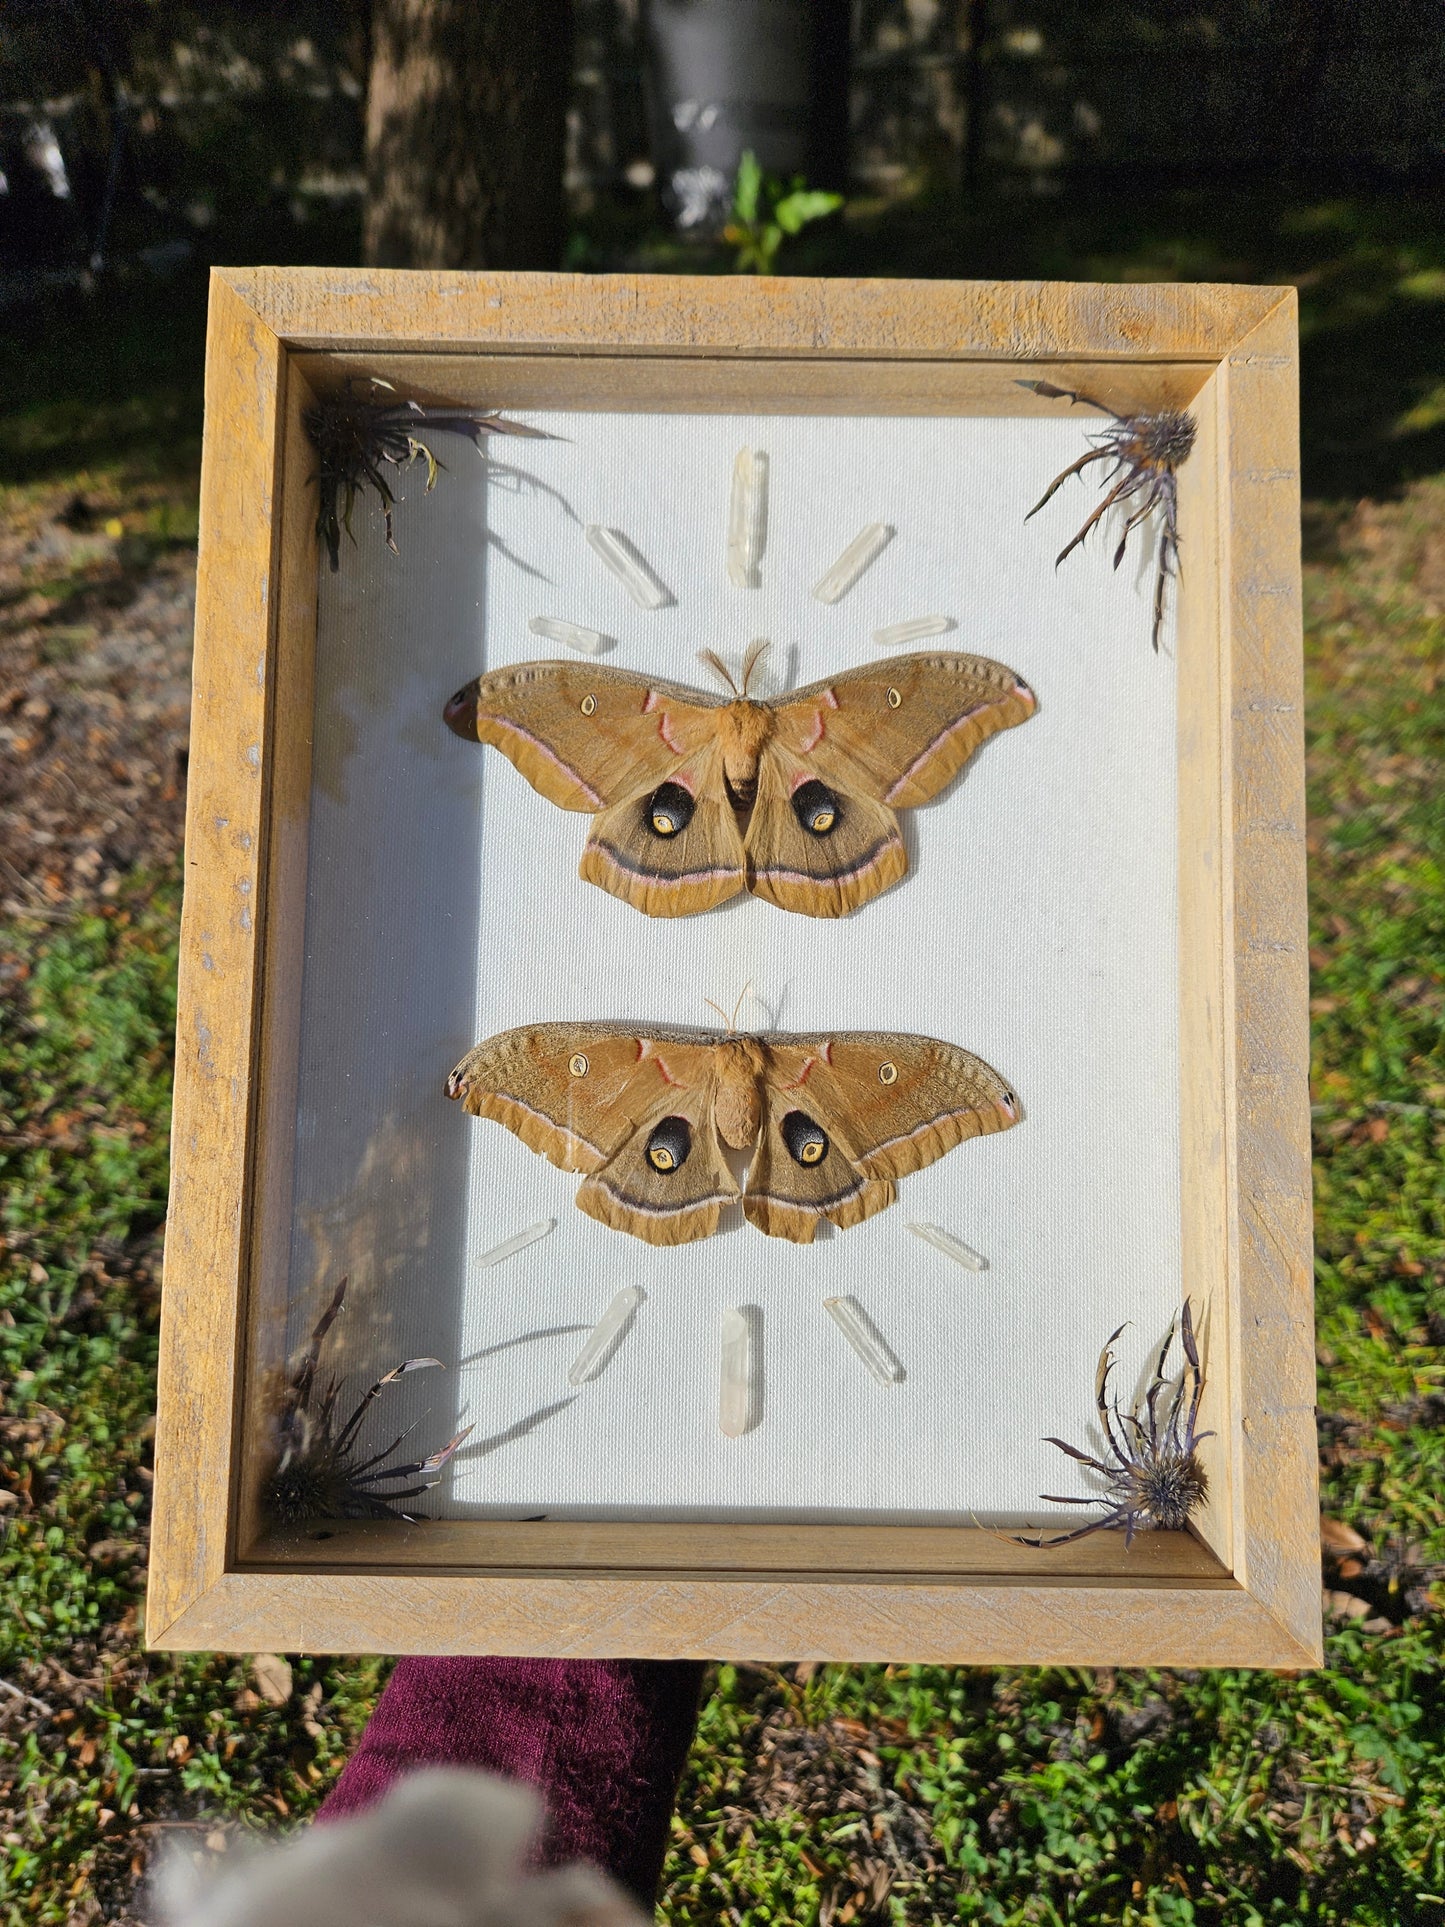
<point x="1294" y="140"/>
<point x="1273" y="141"/>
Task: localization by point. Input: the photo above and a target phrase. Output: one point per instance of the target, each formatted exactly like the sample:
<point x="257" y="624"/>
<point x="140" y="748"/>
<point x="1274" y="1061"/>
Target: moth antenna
<point x="721" y="1013"/>
<point x="710" y="659"/>
<point x="756" y="651"/>
<point x="747" y="987"/>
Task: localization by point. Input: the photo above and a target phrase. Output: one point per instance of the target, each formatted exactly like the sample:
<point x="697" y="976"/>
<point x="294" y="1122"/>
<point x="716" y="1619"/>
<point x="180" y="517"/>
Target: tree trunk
<point x="465" y="133"/>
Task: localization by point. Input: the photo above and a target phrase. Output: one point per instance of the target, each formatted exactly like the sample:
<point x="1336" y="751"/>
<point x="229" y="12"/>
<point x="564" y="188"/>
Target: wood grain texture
<point x="786" y="1616"/>
<point x="576" y="1545"/>
<point x="656" y="1589"/>
<point x="206" y="1226"/>
<point x="1204" y="974"/>
<point x="693" y="385"/>
<point x="1272" y="1410"/>
<point x="280" y="911"/>
<point x="737" y="315"/>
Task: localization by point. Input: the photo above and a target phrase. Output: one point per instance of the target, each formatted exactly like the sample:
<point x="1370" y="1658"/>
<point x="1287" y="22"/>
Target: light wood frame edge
<point x="246" y="364"/>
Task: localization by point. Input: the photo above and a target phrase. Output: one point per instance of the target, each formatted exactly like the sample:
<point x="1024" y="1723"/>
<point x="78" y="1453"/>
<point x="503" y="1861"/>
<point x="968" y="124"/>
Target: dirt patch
<point x="97" y="608"/>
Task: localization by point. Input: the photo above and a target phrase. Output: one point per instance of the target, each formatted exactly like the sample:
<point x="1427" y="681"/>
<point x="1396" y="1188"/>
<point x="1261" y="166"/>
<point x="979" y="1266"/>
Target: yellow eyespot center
<point x="664" y="825"/>
<point x="589" y="703"/>
<point x="661" y="1159"/>
<point x="894" y="699"/>
<point x="813" y="1152"/>
<point x="887" y="1073"/>
<point x="577" y="1065"/>
<point x="823" y="819"/>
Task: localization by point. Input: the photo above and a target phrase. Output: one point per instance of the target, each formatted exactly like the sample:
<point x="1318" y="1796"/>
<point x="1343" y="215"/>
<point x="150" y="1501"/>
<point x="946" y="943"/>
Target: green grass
<point x="1050" y="1796"/>
<point x="1223" y="1797"/>
<point x="85" y="1072"/>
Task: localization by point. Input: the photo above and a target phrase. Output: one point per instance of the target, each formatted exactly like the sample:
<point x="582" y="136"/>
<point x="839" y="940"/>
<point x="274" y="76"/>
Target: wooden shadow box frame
<point x="1242" y="1588"/>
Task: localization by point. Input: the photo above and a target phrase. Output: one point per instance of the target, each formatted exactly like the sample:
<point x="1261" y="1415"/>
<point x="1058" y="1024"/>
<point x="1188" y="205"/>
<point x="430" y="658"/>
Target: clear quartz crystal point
<point x="950" y="1246"/>
<point x="748" y="519"/>
<point x="737" y="1402"/>
<point x="894" y="635"/>
<point x="861" y="552"/>
<point x="613" y="548"/>
<point x="606" y="1335"/>
<point x="865" y="1338"/>
<point x="591" y="642"/>
<point x="509" y="1247"/>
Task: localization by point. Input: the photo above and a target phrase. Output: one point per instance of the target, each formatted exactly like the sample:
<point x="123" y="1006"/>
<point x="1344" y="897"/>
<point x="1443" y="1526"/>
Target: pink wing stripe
<point x="907" y="1137"/>
<point x="576" y="1136"/>
<point x="505" y="722"/>
<point x="941" y="738"/>
<point x="660" y="882"/>
<point x="887" y="848"/>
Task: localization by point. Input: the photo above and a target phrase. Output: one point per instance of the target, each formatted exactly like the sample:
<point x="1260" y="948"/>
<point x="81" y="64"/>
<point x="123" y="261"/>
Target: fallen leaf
<point x="1344" y="1605"/>
<point x="113" y="1552"/>
<point x="1337" y="1538"/>
<point x="271" y="1676"/>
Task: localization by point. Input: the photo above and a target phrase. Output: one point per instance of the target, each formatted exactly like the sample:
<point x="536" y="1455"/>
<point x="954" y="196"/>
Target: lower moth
<point x="831" y="1121"/>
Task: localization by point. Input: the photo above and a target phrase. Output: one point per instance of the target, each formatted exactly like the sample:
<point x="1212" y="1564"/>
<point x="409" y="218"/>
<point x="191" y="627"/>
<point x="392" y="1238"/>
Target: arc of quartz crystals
<point x="591" y="642"/>
<point x="860" y="554"/>
<point x="950" y="1246"/>
<point x="606" y="1335"/>
<point x="894" y="635"/>
<point x="612" y="547"/>
<point x="865" y="1338"/>
<point x="509" y="1247"/>
<point x="748" y="519"/>
<point x="741" y="1362"/>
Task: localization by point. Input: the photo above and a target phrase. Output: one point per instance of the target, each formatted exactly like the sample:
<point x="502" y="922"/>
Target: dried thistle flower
<point x="353" y="434"/>
<point x="319" y="1471"/>
<point x="1149" y="449"/>
<point x="1155" y="1481"/>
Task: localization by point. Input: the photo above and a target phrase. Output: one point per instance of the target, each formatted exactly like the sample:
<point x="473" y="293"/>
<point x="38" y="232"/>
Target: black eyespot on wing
<point x="817" y="808"/>
<point x="668" y="810"/>
<point x="669" y="1145"/>
<point x="807" y="1142"/>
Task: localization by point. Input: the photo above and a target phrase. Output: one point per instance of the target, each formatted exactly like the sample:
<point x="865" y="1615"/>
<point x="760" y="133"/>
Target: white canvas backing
<point x="1037" y="927"/>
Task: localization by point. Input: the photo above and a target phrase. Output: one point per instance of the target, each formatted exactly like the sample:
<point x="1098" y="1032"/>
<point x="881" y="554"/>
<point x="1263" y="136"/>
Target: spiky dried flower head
<point x="354" y="431"/>
<point x="1153" y="1478"/>
<point x="1145" y="450"/>
<point x="321" y="1471"/>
